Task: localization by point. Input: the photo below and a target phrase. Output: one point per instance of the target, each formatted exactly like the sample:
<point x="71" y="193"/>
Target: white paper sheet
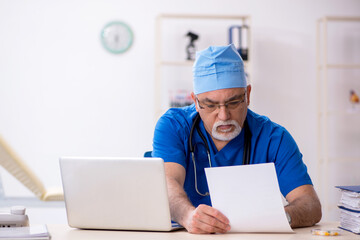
<point x="32" y="232"/>
<point x="249" y="196"/>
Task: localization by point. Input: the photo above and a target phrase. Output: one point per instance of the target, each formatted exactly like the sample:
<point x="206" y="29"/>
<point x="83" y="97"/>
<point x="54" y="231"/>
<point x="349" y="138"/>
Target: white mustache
<point x="227" y="134"/>
<point x="222" y="123"/>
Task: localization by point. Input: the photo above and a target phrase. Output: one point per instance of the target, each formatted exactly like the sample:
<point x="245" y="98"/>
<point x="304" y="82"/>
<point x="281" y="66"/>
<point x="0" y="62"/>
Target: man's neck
<point x="219" y="144"/>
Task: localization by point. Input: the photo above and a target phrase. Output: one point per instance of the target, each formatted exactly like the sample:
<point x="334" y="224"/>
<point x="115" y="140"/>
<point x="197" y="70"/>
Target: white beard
<point x="228" y="134"/>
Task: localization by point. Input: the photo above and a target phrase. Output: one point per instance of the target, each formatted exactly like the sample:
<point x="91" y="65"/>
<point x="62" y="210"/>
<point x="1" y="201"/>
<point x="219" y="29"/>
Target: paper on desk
<point x="32" y="232"/>
<point x="249" y="196"/>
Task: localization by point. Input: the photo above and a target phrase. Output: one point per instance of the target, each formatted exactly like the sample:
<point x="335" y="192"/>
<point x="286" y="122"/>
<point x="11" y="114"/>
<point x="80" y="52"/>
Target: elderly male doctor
<point x="221" y="131"/>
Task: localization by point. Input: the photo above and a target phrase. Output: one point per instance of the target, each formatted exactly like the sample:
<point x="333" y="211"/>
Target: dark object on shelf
<point x="354" y="98"/>
<point x="190" y="48"/>
<point x="241" y="44"/>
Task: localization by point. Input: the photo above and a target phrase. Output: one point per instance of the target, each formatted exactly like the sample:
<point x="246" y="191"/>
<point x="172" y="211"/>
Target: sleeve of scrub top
<point x="291" y="170"/>
<point x="170" y="140"/>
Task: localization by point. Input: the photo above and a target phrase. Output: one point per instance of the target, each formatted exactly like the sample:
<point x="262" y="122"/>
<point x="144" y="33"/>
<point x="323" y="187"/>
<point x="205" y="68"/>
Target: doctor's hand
<point x="206" y="219"/>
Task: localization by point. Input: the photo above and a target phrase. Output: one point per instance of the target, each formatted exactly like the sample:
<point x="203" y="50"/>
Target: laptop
<point x="116" y="193"/>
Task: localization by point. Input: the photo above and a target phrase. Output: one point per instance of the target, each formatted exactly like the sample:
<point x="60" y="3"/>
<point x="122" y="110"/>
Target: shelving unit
<point x="338" y="70"/>
<point x="172" y="71"/>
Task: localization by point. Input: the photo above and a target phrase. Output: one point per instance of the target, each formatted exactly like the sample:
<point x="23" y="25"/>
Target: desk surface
<point x="63" y="232"/>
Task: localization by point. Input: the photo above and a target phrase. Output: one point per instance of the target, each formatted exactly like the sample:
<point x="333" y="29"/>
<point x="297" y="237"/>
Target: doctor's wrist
<point x="288" y="216"/>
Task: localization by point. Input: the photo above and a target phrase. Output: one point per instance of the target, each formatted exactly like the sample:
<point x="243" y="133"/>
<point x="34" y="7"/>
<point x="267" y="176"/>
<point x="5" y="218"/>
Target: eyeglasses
<point x="231" y="105"/>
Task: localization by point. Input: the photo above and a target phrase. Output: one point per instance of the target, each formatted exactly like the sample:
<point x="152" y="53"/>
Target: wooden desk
<point x="63" y="232"/>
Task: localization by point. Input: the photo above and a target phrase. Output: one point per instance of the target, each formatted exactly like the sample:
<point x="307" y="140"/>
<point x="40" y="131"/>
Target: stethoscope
<point x="246" y="154"/>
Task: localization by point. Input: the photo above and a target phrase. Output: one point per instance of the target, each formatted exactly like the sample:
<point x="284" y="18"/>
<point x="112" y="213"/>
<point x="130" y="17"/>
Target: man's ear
<point x="248" y="89"/>
<point x="194" y="99"/>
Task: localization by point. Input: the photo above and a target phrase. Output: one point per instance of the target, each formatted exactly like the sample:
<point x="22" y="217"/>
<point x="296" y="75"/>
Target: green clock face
<point x="116" y="37"/>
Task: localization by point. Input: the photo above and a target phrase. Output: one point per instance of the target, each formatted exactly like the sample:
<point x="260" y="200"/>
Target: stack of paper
<point x="350" y="208"/>
<point x="32" y="232"/>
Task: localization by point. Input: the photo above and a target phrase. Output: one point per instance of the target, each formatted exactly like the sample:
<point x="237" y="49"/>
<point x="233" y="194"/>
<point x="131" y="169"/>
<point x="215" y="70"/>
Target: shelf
<point x="329" y="113"/>
<point x="168" y="61"/>
<point x="339" y="159"/>
<point x="177" y="16"/>
<point x="337" y="18"/>
<point x="178" y="63"/>
<point x="188" y="63"/>
<point x="348" y="112"/>
<point x="339" y="66"/>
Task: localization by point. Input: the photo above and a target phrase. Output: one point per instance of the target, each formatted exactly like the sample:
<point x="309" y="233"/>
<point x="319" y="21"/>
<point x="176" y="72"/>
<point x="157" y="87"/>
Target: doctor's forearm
<point x="180" y="204"/>
<point x="304" y="211"/>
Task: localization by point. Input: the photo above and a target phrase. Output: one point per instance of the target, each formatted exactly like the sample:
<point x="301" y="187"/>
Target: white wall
<point x="61" y="93"/>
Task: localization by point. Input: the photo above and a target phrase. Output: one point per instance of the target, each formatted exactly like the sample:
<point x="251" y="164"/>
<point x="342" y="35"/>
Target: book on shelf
<point x="349" y="205"/>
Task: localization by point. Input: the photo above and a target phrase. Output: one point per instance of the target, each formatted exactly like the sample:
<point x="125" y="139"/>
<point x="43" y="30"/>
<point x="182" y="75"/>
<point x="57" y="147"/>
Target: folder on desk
<point x="355" y="188"/>
<point x="18" y="168"/>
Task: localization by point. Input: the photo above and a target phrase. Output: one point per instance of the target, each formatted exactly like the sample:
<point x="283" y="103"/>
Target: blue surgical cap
<point x="218" y="67"/>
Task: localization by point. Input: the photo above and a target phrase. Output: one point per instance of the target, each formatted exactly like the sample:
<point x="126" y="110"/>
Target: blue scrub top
<point x="270" y="142"/>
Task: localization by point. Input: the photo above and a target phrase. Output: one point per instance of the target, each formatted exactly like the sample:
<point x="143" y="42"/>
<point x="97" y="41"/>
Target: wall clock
<point x="116" y="37"/>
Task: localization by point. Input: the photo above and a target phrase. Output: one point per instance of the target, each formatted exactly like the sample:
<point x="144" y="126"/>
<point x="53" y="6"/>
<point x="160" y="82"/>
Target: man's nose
<point x="223" y="113"/>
